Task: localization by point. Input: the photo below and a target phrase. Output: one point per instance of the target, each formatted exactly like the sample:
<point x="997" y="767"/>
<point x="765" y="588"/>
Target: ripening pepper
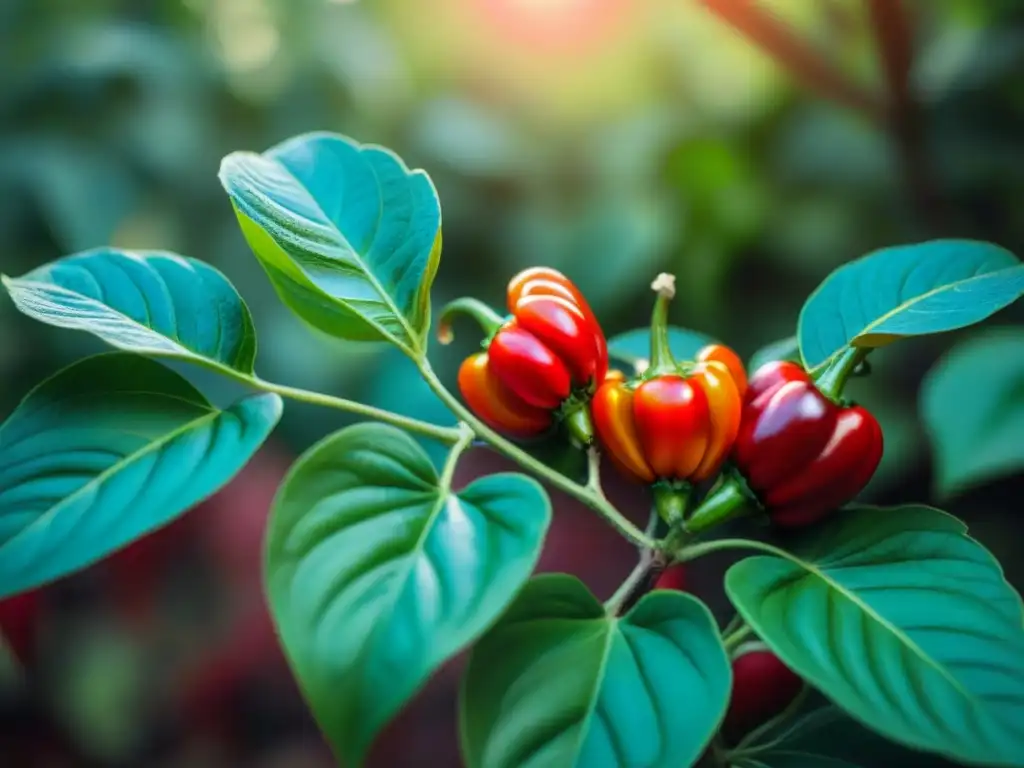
<point x="762" y="688"/>
<point x="541" y="364"/>
<point x="676" y="424"/>
<point x="802" y="454"/>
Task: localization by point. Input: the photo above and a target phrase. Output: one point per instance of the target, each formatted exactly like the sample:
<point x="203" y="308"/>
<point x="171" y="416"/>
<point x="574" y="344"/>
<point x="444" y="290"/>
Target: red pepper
<point x="802" y="454"/>
<point x="542" y="363"/>
<point x="762" y="688"/>
<point x="675" y="425"/>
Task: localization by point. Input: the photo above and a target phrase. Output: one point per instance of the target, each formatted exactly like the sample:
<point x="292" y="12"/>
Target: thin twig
<point x="802" y="60"/>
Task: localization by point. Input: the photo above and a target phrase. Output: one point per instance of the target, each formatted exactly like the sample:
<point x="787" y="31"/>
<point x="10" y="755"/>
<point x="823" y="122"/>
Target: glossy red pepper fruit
<point x="800" y="453"/>
<point x="542" y="363"/>
<point x="762" y="688"/>
<point x="676" y="424"/>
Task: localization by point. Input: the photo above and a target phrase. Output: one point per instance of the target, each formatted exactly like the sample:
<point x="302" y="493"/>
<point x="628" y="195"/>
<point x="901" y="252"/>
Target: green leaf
<point x="634" y="347"/>
<point x="559" y="682"/>
<point x="903" y="621"/>
<point x="377" y="572"/>
<point x="783" y="349"/>
<point x="111" y="448"/>
<point x="830" y="737"/>
<point x="348" y="235"/>
<point x="972" y="405"/>
<point x="150" y="302"/>
<point x="909" y="290"/>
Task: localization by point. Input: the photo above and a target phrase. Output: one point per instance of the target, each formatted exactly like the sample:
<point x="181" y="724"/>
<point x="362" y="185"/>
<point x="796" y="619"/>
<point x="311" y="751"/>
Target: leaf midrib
<point x="905" y="305"/>
<point x="185" y="352"/>
<point x="364" y="268"/>
<point x="112" y="470"/>
<point x="896" y="631"/>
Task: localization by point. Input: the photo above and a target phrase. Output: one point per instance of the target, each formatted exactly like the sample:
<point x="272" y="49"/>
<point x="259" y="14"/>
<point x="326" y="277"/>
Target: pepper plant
<point x="379" y="568"/>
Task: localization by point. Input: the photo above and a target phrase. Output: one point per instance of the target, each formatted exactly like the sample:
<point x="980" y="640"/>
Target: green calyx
<point x="671" y="500"/>
<point x="575" y="416"/>
<point x="730" y="500"/>
<point x="488" y="320"/>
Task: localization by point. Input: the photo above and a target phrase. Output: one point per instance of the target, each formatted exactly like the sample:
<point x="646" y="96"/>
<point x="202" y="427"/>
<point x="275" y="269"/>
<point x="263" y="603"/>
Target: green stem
<point x="487" y="318"/>
<point x="594" y="471"/>
<point x="729" y="501"/>
<point x="448" y="435"/>
<point x="661" y="352"/>
<point x="671" y="500"/>
<point x="636" y="577"/>
<point x="732" y="640"/>
<point x="832" y="380"/>
<point x="465" y="440"/>
<point x="582" y="493"/>
<point x="694" y="551"/>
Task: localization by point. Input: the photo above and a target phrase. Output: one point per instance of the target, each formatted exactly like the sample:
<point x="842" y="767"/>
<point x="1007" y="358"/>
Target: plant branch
<point x="464" y="441"/>
<point x="803" y="61"/>
<point x="636" y="577"/>
<point x="894" y="38"/>
<point x="594" y="471"/>
<point x="447" y="435"/>
<point x="736" y="637"/>
<point x="582" y="493"/>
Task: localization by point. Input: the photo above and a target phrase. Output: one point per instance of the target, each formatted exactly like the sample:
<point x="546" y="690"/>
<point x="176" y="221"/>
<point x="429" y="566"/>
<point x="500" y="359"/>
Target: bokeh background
<point x="611" y="139"/>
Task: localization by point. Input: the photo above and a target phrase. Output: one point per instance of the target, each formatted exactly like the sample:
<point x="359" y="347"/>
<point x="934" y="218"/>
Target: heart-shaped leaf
<point x="906" y="623"/>
<point x="783" y="349"/>
<point x="972" y="404"/>
<point x="634" y="347"/>
<point x="908" y="290"/>
<point x="559" y="682"/>
<point x="105" y="451"/>
<point x="349" y="236"/>
<point x="150" y="302"/>
<point x="377" y="572"/>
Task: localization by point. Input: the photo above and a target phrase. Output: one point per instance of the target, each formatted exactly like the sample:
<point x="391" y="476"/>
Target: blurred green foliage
<point x="672" y="146"/>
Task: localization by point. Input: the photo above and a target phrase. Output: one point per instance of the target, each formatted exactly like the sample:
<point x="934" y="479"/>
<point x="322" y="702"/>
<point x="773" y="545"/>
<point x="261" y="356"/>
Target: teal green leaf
<point x="972" y="405"/>
<point x="634" y="347"/>
<point x="909" y="290"/>
<point x="903" y="621"/>
<point x="378" y="572"/>
<point x="105" y="451"/>
<point x="150" y="302"/>
<point x="783" y="349"/>
<point x="348" y="235"/>
<point x="778" y="758"/>
<point x="559" y="682"/>
<point x="829" y="737"/>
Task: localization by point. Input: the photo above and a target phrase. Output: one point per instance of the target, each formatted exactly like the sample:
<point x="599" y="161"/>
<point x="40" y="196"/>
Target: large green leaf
<point x="829" y="738"/>
<point x="634" y="347"/>
<point x="906" y="623"/>
<point x="349" y="236"/>
<point x="972" y="404"/>
<point x="908" y="290"/>
<point x="377" y="572"/>
<point x="107" y="450"/>
<point x="559" y="683"/>
<point x="149" y="302"/>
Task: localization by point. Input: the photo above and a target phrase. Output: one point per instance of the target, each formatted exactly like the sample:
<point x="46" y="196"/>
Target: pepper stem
<point x="832" y="380"/>
<point x="661" y="353"/>
<point x="487" y="318"/>
<point x="730" y="500"/>
<point x="671" y="500"/>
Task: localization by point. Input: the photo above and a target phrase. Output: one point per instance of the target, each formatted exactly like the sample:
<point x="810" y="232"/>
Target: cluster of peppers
<point x="785" y="446"/>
